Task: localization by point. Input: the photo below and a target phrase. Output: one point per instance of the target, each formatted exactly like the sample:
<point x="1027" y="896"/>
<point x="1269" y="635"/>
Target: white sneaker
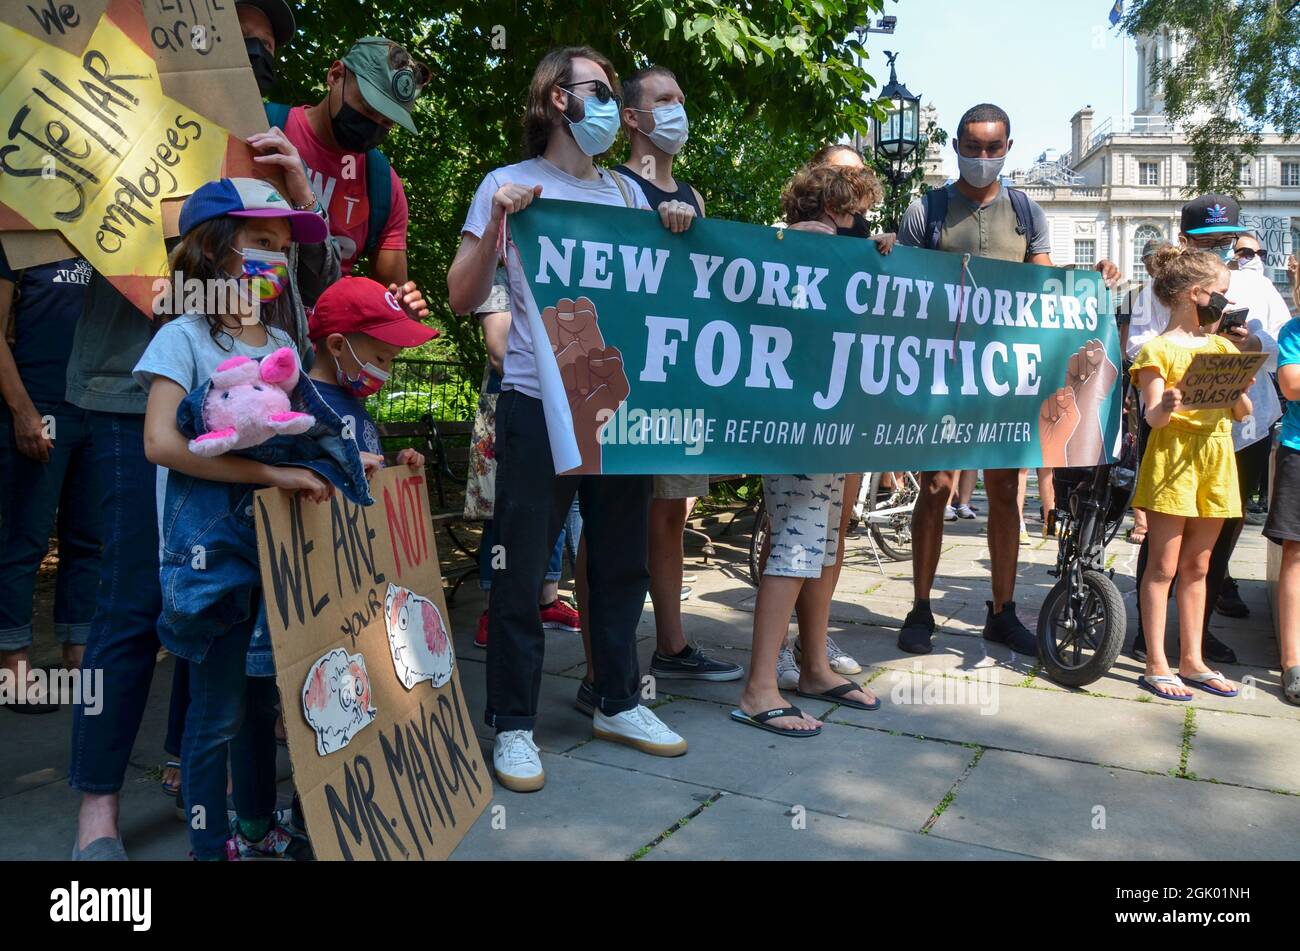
<point x="787" y="670"/>
<point x="965" y="511"/>
<point x="638" y="728"/>
<point x="515" y="760"/>
<point x="840" y="661"/>
<point x="949" y="513"/>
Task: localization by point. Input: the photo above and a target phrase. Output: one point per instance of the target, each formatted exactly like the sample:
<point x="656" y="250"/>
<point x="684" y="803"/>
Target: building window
<point x="1140" y="238"/>
<point x="1291" y="173"/>
<point x="1085" y="252"/>
<point x="1246" y="174"/>
<point x="1191" y="173"/>
<point x="1149" y="173"/>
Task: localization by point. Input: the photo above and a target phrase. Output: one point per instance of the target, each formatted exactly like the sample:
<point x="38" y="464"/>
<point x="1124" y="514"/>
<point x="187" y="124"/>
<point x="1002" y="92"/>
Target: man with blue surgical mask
<point x="976" y="215"/>
<point x="1212" y="223"/>
<point x="654" y="119"/>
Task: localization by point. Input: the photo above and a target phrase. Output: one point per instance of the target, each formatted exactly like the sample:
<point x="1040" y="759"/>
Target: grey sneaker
<point x="787" y="670"/>
<point x="103" y="849"/>
<point x="841" y="661"/>
<point x="693" y="664"/>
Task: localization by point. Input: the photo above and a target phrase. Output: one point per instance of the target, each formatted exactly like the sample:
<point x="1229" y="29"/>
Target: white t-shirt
<point x="520" y="369"/>
<point x="1268" y="314"/>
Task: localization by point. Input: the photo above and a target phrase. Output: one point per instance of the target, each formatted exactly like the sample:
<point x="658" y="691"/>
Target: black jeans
<point x="531" y="505"/>
<point x="1252" y="462"/>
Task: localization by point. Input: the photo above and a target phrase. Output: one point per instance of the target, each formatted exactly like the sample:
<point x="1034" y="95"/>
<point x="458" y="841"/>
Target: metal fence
<point x="417" y="388"/>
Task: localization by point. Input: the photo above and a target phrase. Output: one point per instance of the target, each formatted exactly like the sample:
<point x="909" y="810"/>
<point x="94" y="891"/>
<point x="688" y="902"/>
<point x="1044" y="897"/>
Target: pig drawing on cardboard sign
<point x="417" y="638"/>
<point x="336" y="699"/>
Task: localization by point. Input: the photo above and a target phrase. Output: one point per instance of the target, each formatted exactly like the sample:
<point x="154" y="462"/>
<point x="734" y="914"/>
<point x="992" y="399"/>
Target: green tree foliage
<point x="1237" y="77"/>
<point x="765" y="83"/>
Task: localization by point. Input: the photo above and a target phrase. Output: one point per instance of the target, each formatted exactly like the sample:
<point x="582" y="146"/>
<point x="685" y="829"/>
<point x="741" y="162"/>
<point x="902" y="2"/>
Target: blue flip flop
<point x="1201" y="682"/>
<point x="1149" y="686"/>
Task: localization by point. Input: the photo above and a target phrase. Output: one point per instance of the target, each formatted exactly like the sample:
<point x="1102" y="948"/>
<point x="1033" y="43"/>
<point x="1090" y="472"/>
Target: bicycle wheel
<point x="892" y="530"/>
<point x="762" y="525"/>
<point x="1079" y="637"/>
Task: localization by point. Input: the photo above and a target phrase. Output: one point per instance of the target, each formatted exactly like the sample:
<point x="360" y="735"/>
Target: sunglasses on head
<point x="600" y="90"/>
<point x="409" y="75"/>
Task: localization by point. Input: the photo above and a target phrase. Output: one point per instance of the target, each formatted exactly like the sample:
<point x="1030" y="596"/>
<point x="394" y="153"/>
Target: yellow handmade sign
<point x="93" y="145"/>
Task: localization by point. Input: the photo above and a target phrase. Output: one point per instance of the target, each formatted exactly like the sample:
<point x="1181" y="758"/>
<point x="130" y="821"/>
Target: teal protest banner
<point x="739" y="348"/>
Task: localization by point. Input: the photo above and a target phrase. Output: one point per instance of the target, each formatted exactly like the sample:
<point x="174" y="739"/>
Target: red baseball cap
<point x="359" y="305"/>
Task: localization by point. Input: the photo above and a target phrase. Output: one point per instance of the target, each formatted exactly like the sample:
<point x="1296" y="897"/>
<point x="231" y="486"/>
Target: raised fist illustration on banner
<point x="1069" y="423"/>
<point x="593" y="374"/>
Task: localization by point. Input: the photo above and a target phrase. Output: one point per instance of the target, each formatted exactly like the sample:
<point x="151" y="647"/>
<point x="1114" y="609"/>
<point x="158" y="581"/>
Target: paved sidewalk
<point x="974" y="754"/>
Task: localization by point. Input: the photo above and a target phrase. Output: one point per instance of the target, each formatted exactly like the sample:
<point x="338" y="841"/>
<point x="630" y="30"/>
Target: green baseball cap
<point x="389" y="79"/>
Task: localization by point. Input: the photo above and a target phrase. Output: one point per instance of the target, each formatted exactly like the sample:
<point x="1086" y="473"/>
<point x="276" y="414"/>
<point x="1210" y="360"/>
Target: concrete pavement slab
<point x="865" y="774"/>
<point x="1061" y="810"/>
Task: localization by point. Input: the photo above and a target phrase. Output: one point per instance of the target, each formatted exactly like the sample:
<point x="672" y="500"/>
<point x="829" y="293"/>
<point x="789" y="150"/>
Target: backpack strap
<point x="622" y="188"/>
<point x="936" y="210"/>
<point x="277" y="114"/>
<point x="1024" y="211"/>
<point x="379" y="191"/>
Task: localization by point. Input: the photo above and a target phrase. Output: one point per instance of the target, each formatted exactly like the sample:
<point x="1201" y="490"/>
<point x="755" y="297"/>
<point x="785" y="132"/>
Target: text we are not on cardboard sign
<point x="384" y="754"/>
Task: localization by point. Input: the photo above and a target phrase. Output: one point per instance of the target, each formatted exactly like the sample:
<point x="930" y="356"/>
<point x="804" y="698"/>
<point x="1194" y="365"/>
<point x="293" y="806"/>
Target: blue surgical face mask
<point x="596" y="130"/>
<point x="671" y="127"/>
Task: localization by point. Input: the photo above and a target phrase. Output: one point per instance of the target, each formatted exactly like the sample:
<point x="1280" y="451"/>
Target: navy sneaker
<point x="585" y="701"/>
<point x="693" y="664"/>
<point x="918" y="629"/>
<point x="1005" y="628"/>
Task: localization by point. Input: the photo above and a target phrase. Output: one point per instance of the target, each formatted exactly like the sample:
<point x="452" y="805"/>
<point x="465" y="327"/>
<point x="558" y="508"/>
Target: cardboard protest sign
<point x="1217" y="380"/>
<point x="738" y="348"/>
<point x="114" y="110"/>
<point x="384" y="755"/>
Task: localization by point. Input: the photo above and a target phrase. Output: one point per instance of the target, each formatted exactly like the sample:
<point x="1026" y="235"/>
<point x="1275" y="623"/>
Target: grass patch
<point x="951" y="795"/>
<point x="680" y="823"/>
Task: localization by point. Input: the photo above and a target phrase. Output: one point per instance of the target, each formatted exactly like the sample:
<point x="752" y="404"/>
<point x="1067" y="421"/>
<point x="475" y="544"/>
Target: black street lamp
<point x="897" y="137"/>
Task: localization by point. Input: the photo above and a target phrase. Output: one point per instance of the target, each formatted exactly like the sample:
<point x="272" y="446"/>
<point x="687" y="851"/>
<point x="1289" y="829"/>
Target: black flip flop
<point x="836" y="695"/>
<point x="760" y="721"/>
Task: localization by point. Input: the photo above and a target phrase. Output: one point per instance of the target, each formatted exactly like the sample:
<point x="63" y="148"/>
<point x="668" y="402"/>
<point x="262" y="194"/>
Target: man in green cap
<point x="371" y="89"/>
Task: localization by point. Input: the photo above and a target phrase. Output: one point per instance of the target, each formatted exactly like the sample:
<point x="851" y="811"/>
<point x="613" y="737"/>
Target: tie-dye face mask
<point x="266" y="273"/>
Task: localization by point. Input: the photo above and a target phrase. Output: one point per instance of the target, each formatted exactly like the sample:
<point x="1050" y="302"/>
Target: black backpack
<point x="936" y="211"/>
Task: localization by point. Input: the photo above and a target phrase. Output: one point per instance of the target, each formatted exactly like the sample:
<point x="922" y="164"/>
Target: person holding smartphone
<point x="1212" y="222"/>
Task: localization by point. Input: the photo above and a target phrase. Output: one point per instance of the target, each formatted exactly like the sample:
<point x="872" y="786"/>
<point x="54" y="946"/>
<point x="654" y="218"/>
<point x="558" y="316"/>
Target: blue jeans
<point x="570" y="532"/>
<point x="123" y="640"/>
<point x="35" y="497"/>
<point x="232" y="713"/>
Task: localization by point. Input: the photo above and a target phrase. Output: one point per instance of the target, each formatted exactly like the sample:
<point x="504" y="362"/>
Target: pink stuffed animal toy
<point x="248" y="403"/>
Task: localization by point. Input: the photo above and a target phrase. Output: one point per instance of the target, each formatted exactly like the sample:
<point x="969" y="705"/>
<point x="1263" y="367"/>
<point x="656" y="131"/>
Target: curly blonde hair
<point x="1176" y="268"/>
<point x="829" y="189"/>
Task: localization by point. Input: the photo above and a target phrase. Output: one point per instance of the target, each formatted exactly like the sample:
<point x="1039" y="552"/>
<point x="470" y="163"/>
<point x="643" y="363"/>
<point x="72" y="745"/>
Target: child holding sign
<point x="1188" y="481"/>
<point x="241" y="229"/>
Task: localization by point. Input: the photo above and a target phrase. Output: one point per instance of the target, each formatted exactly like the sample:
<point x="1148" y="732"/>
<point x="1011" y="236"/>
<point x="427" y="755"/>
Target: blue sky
<point x="1041" y="60"/>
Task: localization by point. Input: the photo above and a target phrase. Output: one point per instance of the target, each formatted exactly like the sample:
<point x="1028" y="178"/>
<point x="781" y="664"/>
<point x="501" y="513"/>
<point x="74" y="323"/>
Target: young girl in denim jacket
<point x="240" y="229"/>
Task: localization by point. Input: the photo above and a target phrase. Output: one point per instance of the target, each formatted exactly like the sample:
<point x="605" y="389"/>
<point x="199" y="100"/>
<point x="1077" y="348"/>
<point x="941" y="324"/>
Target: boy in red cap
<point x="358" y="328"/>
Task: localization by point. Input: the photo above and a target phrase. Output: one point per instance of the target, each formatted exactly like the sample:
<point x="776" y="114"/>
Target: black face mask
<point x="1209" y="313"/>
<point x="352" y="130"/>
<point x="859" y="228"/>
<point x="263" y="63"/>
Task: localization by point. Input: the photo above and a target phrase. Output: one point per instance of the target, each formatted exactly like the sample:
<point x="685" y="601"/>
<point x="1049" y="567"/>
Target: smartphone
<point x="1233" y="319"/>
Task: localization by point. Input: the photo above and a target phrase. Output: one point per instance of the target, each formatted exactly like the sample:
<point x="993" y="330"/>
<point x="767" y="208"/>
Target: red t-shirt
<point x="344" y="195"/>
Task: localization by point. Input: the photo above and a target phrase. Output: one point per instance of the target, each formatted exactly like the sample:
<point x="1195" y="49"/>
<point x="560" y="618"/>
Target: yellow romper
<point x="1189" y="467"/>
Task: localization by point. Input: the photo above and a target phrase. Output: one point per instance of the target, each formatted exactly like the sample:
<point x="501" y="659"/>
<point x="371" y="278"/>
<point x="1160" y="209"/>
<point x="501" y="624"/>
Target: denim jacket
<point x="209" y="573"/>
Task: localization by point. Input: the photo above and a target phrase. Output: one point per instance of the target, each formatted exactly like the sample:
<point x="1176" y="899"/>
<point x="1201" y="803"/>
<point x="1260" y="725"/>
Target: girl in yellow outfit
<point x="1188" y="481"/>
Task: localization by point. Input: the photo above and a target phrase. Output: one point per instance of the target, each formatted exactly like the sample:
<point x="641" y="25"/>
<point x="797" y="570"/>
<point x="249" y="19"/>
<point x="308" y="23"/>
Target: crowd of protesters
<point x="97" y="451"/>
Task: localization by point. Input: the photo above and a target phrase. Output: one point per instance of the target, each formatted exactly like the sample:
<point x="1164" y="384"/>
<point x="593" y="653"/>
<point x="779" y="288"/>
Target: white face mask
<point x="980" y="173"/>
<point x="671" y="127"/>
<point x="1255" y="264"/>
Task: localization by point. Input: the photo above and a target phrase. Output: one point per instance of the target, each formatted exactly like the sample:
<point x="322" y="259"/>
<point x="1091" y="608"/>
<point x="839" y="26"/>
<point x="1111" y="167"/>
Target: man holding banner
<point x="572" y="116"/>
<point x="976" y="216"/>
